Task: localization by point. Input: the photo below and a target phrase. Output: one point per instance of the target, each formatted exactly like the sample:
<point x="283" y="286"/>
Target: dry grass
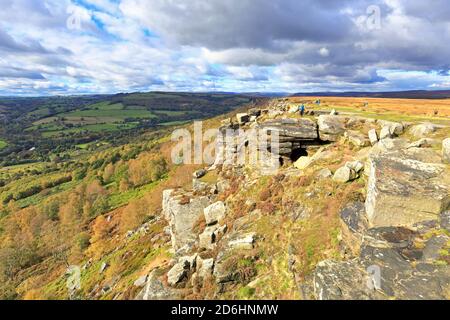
<point x="432" y="108"/>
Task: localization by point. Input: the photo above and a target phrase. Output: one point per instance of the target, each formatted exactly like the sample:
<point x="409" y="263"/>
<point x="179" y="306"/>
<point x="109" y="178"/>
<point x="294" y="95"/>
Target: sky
<point x="67" y="47"/>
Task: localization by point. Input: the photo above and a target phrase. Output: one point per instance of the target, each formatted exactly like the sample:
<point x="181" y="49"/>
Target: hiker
<point x="302" y="110"/>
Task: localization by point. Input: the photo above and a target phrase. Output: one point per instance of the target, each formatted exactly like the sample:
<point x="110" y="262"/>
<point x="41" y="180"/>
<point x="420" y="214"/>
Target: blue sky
<point x="107" y="46"/>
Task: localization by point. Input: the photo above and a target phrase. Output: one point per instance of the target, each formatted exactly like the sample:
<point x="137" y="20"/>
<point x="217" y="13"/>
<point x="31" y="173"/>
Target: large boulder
<point x="446" y="150"/>
<point x="358" y="139"/>
<point x="183" y="211"/>
<point x="423" y="130"/>
<point x="178" y="273"/>
<point x="331" y="128"/>
<point x="406" y="187"/>
<point x="345" y="174"/>
<point x="215" y="213"/>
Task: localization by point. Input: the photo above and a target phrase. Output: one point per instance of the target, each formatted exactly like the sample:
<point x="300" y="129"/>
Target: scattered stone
<point x="446" y="150"/>
<point x="215" y="213"/>
<point x="344" y="175"/>
<point x="373" y="137"/>
<point x="245" y="242"/>
<point x="424" y="142"/>
<point x="200" y="173"/>
<point x="324" y="174"/>
<point x="141" y="281"/>
<point x="103" y="267"/>
<point x="357" y="166"/>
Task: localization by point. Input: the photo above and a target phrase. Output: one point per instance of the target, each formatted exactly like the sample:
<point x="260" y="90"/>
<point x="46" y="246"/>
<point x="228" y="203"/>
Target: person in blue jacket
<point x="302" y="110"/>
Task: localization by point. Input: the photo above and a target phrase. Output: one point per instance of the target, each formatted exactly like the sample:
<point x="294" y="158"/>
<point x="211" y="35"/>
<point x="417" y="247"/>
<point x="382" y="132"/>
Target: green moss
<point x="246" y="293"/>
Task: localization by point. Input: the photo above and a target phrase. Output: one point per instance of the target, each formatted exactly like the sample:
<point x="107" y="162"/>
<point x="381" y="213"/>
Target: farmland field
<point x="3" y="144"/>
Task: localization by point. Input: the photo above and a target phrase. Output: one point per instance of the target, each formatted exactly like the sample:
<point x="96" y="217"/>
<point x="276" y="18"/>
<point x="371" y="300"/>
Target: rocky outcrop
<point x="389" y="264"/>
<point x="406" y="187"/>
<point x="182" y="210"/>
<point x="331" y="127"/>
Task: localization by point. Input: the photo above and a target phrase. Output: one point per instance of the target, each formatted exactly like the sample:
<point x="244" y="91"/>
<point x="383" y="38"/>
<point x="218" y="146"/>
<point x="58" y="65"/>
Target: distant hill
<point x="413" y="94"/>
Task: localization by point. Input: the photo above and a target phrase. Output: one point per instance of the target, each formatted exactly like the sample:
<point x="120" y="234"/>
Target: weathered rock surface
<point x="156" y="290"/>
<point x="182" y="211"/>
<point x="385" y="133"/>
<point x="305" y="162"/>
<point x="403" y="189"/>
<point x="215" y="213"/>
<point x="423" y="130"/>
<point x="358" y="139"/>
<point x="178" y="273"/>
<point x="331" y="128"/>
<point x="446" y="150"/>
<point x="354" y="225"/>
<point x="373" y="137"/>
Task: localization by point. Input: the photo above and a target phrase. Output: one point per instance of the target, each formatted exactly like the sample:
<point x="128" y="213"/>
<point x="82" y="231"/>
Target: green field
<point x="101" y="127"/>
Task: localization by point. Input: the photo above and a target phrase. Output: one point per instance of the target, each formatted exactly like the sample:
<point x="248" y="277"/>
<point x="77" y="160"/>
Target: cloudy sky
<point x="108" y="46"/>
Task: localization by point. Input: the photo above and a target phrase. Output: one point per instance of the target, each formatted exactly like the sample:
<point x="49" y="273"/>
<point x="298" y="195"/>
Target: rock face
<point x="331" y="128"/>
<point x="404" y="188"/>
<point x="183" y="211"/>
<point x="446" y="150"/>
